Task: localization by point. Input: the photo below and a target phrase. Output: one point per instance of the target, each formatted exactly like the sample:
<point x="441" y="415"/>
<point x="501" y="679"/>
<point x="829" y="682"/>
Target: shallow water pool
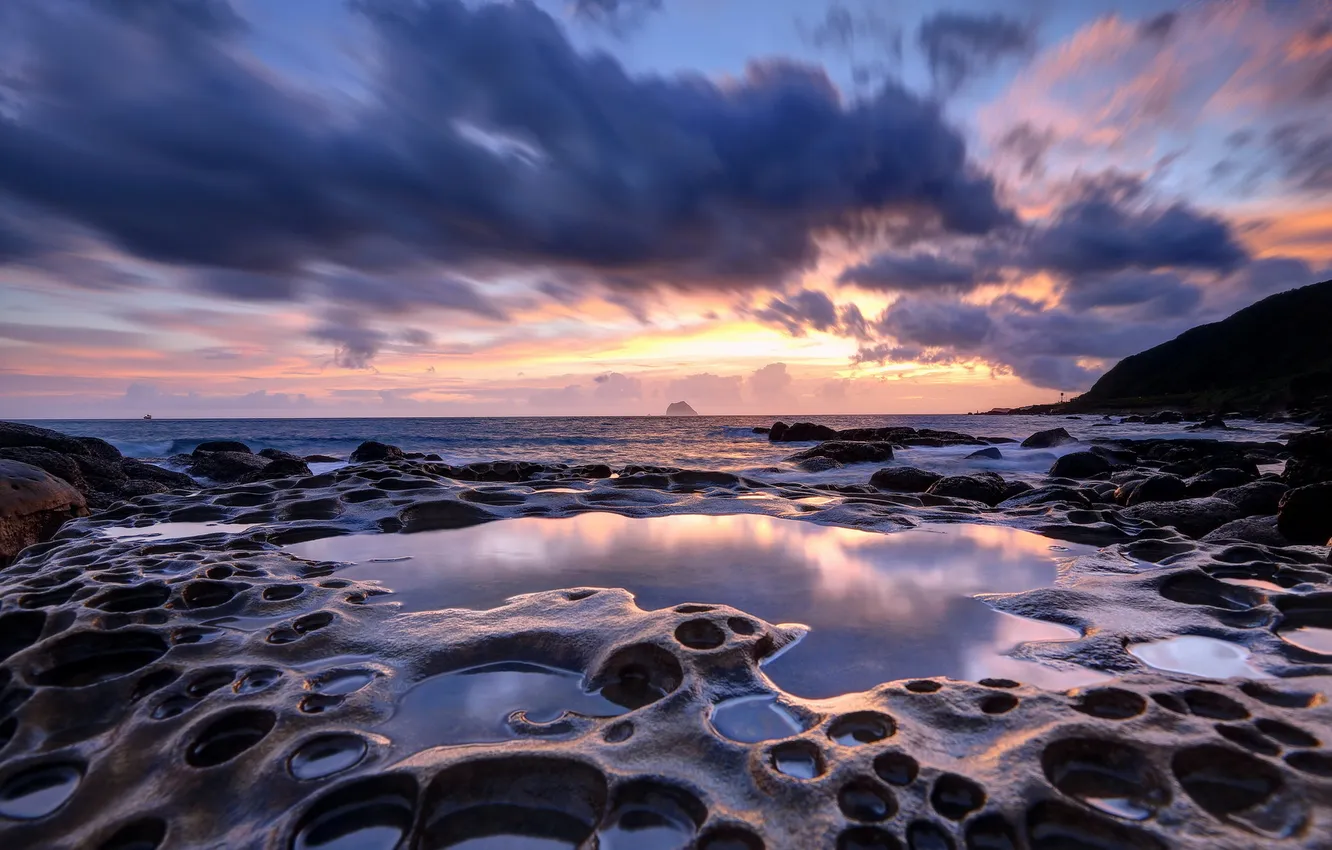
<point x="879" y="606"/>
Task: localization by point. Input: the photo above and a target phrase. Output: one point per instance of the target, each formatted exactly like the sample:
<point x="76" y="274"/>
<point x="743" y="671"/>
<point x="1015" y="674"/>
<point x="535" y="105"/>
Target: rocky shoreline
<point x="176" y="692"/>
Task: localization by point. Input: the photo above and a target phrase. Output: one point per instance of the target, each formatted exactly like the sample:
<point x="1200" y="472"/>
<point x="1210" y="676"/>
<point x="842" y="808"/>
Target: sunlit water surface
<point x="880" y="606"/>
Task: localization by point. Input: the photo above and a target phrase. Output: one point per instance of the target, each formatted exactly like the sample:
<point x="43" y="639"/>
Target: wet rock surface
<point x="219" y="691"/>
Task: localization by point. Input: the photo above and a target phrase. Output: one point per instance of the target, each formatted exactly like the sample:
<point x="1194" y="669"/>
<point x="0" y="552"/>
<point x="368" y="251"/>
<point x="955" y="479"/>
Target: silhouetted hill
<point x="1275" y="353"/>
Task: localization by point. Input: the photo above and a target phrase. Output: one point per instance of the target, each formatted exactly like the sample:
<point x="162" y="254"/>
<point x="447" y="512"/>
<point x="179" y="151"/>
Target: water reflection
<point x="881" y="606"/>
<point x="174" y="530"/>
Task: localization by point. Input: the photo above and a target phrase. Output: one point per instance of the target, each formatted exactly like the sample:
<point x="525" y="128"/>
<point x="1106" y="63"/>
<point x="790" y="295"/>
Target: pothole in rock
<point x="478" y="703"/>
<point x="1106" y="775"/>
<point x="36" y="792"/>
<point x="1197" y="655"/>
<point x="847" y="585"/>
<point x="1310" y="638"/>
<point x="762" y="717"/>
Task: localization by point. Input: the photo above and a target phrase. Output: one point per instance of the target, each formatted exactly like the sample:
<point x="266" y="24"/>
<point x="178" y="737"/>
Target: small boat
<point x="147" y="416"/>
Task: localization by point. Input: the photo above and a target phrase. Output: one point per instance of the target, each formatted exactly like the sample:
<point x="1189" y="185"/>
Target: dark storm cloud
<point x="355" y="344"/>
<point x="1158" y="27"/>
<point x="959" y="46"/>
<point x="1163" y="293"/>
<point x="484" y="141"/>
<point x="921" y="271"/>
<point x="935" y="324"/>
<point x="1099" y="232"/>
<point x="1304" y="154"/>
<point x="805" y="309"/>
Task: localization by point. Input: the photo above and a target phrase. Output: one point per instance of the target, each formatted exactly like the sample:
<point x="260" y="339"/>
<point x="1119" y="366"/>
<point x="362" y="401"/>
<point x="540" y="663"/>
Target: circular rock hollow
<point x="798" y="759"/>
<point x="865" y="800"/>
<point x="927" y="835"/>
<point x="867" y="838"/>
<point x="1052" y="825"/>
<point x="1107" y="775"/>
<point x="369" y="813"/>
<point x="955" y="796"/>
<point x="1291" y="736"/>
<point x="700" y="634"/>
<point x="896" y="768"/>
<point x="1111" y="703"/>
<point x="998" y="703"/>
<point x="326" y="755"/>
<point x="226" y="737"/>
<point x="87" y="658"/>
<point x="37" y="791"/>
<point x="1224" y="781"/>
<point x="861" y="727"/>
<point x="143" y="834"/>
<point x="647" y="814"/>
<point x="638" y="675"/>
<point x="991" y="832"/>
<point x="523" y="797"/>
<point x="730" y="838"/>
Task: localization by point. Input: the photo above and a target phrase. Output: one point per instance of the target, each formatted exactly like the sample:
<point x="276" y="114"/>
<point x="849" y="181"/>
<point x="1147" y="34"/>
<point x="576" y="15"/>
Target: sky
<point x="550" y="207"/>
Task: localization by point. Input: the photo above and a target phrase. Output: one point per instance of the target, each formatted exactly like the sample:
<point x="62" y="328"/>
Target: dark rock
<point x="1015" y="488"/>
<point x="430" y="516"/>
<point x="1304" y="514"/>
<point x="434" y="457"/>
<point x="844" y="451"/>
<point x="1117" y="455"/>
<point x="1131" y="420"/>
<point x="904" y="479"/>
<point x="680" y="408"/>
<point x="761" y="430"/>
<point x="777" y="432"/>
<point x="801" y="432"/>
<point x="278" y="454"/>
<point x="1046" y="495"/>
<point x="14" y="435"/>
<point x="104" y="476"/>
<point x="222" y="446"/>
<point x="984" y="487"/>
<point x="1048" y="439"/>
<point x="60" y="465"/>
<point x="1261" y="530"/>
<point x="592" y="470"/>
<point x="990" y="453"/>
<point x="226" y="467"/>
<point x="1164" y="417"/>
<point x="371" y="450"/>
<point x="331" y="459"/>
<point x="1211" y="423"/>
<point x="33" y="506"/>
<point x="137" y="470"/>
<point x="1257" y="498"/>
<point x="280" y="468"/>
<point x="819" y="463"/>
<point x="1193" y="517"/>
<point x="1207" y="483"/>
<point x="701" y="478"/>
<point x="1310" y="459"/>
<point x="99" y="448"/>
<point x="1155" y="488"/>
<point x="1080" y="465"/>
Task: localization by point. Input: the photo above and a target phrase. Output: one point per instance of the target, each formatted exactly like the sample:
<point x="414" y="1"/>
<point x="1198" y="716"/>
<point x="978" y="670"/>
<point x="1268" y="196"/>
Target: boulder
<point x="1207" y="483"/>
<point x="321" y="459"/>
<point x="1164" y="417"/>
<point x="221" y="446"/>
<point x="802" y="432"/>
<point x="846" y="451"/>
<point x="1304" y="514"/>
<point x="1014" y="488"/>
<point x="99" y="448"/>
<point x="1154" y="488"/>
<point x="777" y="432"/>
<point x="1310" y="459"/>
<point x="819" y="464"/>
<point x="137" y="470"/>
<point x="1211" y="423"/>
<point x="985" y="487"/>
<point x="33" y="506"/>
<point x="1254" y="529"/>
<point x="990" y="453"/>
<point x="1048" y="439"/>
<point x="1193" y="517"/>
<point x="279" y="454"/>
<point x="904" y="479"/>
<point x="432" y="516"/>
<point x="62" y="466"/>
<point x="1080" y="465"/>
<point x="14" y="435"/>
<point x="280" y="468"/>
<point x="371" y="450"/>
<point x="1257" y="498"/>
<point x="226" y="467"/>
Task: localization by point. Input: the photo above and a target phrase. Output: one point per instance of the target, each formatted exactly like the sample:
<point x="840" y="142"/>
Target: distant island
<point x="1273" y="355"/>
<point x="681" y="408"/>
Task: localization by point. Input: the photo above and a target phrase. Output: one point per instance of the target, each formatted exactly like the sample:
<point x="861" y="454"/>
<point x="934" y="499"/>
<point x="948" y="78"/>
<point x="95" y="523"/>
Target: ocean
<point x="725" y="443"/>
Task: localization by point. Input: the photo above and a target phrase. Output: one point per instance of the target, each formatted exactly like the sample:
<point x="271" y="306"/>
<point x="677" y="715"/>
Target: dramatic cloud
<point x="1028" y="145"/>
<point x="770" y="387"/>
<point x="614" y="387"/>
<point x="618" y="16"/>
<point x="355" y="344"/>
<point x="805" y="309"/>
<point x="959" y="46"/>
<point x="1163" y="293"/>
<point x="483" y="141"/>
<point x="922" y="271"/>
<point x="707" y="391"/>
